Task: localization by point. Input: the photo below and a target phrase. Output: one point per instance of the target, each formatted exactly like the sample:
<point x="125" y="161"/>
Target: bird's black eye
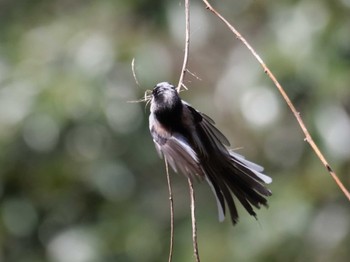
<point x="155" y="90"/>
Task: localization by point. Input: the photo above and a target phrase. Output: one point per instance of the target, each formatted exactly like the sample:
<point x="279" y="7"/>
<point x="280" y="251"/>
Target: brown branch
<point x="171" y="202"/>
<point x="187" y="46"/>
<point x="193" y="217"/>
<point x="181" y="84"/>
<point x="308" y="137"/>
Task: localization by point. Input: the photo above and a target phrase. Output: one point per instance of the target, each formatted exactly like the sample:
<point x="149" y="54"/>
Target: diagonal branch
<point x="308" y="137"/>
<point x="187" y="46"/>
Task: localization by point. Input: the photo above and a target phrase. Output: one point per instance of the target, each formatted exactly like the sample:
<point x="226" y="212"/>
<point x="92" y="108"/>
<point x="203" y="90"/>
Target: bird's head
<point x="164" y="96"/>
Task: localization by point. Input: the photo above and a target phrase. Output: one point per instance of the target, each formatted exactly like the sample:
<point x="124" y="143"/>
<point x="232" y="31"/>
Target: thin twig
<point x="308" y="137"/>
<point x="193" y="217"/>
<point x="194" y="75"/>
<point x="171" y="202"/>
<point x="187" y="46"/>
<point x="133" y="72"/>
<point x="181" y="84"/>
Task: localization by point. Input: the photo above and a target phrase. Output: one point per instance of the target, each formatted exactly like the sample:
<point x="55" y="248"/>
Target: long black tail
<point x="235" y="175"/>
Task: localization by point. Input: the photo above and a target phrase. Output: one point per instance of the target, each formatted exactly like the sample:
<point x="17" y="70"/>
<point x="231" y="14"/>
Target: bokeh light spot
<point x="73" y="245"/>
<point x="85" y="142"/>
<point x="40" y="132"/>
<point x="94" y="53"/>
<point x="19" y="216"/>
<point x="329" y="227"/>
<point x="123" y="117"/>
<point x="113" y="180"/>
<point x="260" y="107"/>
<point x="333" y="124"/>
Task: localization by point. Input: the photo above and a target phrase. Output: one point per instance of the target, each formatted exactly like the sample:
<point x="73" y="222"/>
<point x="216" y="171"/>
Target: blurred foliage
<point x="80" y="180"/>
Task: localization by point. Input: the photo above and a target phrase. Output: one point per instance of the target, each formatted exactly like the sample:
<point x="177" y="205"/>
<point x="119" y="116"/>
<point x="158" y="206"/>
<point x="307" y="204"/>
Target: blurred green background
<point x="80" y="180"/>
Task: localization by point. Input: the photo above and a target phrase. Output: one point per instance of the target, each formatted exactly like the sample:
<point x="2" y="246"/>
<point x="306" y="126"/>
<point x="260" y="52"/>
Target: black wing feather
<point x="227" y="171"/>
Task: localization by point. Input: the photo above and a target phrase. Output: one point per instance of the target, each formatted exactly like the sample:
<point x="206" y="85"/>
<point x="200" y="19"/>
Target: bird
<point x="191" y="144"/>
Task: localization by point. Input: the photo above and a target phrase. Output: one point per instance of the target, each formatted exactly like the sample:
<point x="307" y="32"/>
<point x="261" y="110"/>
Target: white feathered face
<point x="164" y="94"/>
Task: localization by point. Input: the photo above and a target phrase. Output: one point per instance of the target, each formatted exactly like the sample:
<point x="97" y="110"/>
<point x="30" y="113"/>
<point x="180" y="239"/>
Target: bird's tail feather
<point x="241" y="178"/>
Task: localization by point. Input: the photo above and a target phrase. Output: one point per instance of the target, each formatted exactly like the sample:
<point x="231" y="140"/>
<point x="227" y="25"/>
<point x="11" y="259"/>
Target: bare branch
<point x="133" y="72"/>
<point x="171" y="202"/>
<point x="193" y="217"/>
<point x="308" y="137"/>
<point x="194" y="75"/>
<point x="187" y="46"/>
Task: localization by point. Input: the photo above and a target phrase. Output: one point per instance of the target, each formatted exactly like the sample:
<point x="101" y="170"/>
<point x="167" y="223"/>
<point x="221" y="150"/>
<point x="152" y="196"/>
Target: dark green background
<point x="80" y="180"/>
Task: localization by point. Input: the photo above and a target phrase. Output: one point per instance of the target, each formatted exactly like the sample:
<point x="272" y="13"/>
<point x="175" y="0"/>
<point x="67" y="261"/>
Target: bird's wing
<point x="211" y="134"/>
<point x="226" y="171"/>
<point x="179" y="154"/>
<point x="218" y="139"/>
